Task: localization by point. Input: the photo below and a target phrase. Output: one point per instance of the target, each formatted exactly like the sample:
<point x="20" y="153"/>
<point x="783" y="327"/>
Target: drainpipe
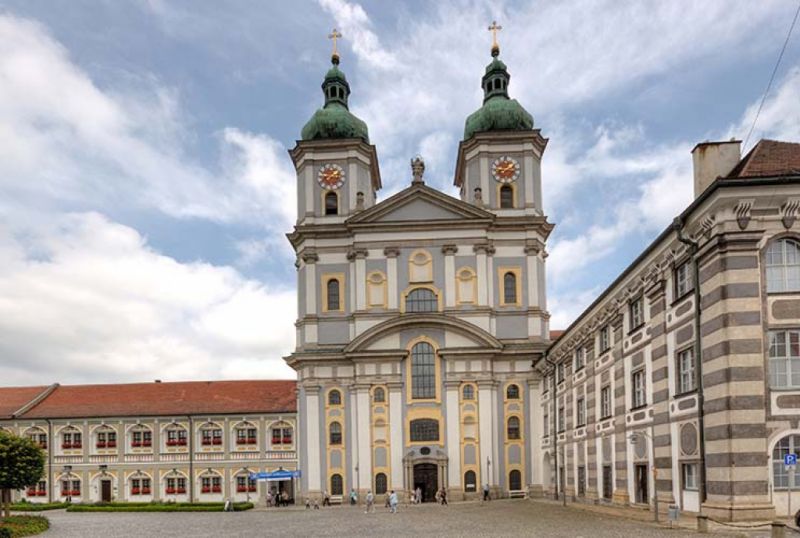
<point x="694" y="247"/>
<point x="552" y="365"/>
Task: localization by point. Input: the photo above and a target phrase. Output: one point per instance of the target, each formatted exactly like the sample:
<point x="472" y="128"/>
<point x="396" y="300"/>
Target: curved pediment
<point x="471" y="334"/>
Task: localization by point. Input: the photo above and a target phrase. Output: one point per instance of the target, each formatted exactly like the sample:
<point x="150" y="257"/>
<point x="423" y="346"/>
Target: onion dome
<point x="334" y="120"/>
<point x="498" y="112"/>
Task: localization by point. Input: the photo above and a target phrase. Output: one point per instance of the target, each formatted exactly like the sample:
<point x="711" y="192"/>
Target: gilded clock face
<point x="331" y="176"/>
<point x="505" y="169"/>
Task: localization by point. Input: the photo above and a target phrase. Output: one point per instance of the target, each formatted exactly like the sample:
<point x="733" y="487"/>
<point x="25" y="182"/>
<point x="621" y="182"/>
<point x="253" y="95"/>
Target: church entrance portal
<point x="426" y="478"/>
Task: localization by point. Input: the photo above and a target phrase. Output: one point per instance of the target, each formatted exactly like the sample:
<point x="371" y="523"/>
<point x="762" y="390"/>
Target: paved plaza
<point x="497" y="518"/>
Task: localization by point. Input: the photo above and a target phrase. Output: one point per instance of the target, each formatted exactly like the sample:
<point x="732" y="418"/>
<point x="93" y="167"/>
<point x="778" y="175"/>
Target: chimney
<point x="712" y="160"/>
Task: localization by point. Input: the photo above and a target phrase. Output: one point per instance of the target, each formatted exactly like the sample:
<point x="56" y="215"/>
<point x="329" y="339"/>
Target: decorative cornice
<point x="486" y="248"/>
<point x="391" y="252"/>
<point x="357" y="253"/>
<point x="449" y="250"/>
<point x="310" y="256"/>
<point x="742" y="212"/>
<point x="789" y="212"/>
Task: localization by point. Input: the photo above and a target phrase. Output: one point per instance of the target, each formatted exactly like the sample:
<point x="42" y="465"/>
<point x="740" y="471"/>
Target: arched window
<point x="421" y="300"/>
<point x="379" y="396"/>
<point x="506" y="197"/>
<point x="380" y="484"/>
<point x="780" y="474"/>
<point x="334" y="397"/>
<point x="424" y="429"/>
<point x="509" y="288"/>
<point x="331" y="203"/>
<point x="468" y="392"/>
<point x="332" y="291"/>
<point x="335" y="433"/>
<point x="783" y="266"/>
<point x="423" y="374"/>
<point x="470" y="482"/>
<point x="513" y="428"/>
<point x="515" y="480"/>
<point x="512" y="392"/>
<point x="337" y="485"/>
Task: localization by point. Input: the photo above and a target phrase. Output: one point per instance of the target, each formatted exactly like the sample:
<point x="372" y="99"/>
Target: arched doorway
<point x="426" y="479"/>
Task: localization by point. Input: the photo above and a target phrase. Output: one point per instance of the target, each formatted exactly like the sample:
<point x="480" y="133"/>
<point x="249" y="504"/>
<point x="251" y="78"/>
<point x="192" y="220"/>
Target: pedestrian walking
<point x="353" y="497"/>
<point x="285" y="499"/>
<point x="486" y="496"/>
<point x="316" y="504"/>
<point x="393" y="502"/>
<point x="308" y="504"/>
<point x="418" y="496"/>
<point x="370" y="502"/>
<point x="326" y="498"/>
<point x="269" y="499"/>
<point x="444" y="497"/>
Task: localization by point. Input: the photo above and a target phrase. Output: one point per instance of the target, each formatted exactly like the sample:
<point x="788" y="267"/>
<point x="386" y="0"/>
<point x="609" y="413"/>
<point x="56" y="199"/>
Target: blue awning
<point x="280" y="474"/>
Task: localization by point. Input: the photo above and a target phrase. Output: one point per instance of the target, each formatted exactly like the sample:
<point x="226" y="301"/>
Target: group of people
<point x="391" y="499"/>
<point x="277" y="499"/>
<point x="441" y="496"/>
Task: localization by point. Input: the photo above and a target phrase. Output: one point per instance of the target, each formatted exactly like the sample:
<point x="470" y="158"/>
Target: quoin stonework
<point x="425" y="360"/>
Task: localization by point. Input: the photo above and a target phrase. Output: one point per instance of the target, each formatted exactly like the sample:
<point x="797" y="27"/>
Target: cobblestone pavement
<point x="497" y="518"/>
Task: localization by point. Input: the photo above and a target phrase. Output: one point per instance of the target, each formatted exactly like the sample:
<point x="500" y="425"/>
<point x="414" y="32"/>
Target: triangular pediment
<point x="419" y="203"/>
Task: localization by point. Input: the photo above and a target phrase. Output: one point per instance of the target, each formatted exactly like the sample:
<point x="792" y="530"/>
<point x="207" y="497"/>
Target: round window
<point x="425" y="451"/>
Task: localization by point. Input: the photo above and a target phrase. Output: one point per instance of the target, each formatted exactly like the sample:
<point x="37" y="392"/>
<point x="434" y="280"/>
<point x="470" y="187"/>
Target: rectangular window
<point x="546" y="425"/>
<point x="639" y="398"/>
<point x="581" y="481"/>
<point x="784" y="358"/>
<point x="560" y="372"/>
<point x="605" y="338"/>
<point x="580" y="358"/>
<point x="561" y="425"/>
<point x="686" y="378"/>
<point x="581" y="411"/>
<point x="605" y="402"/>
<point x="636" y="313"/>
<point x="689" y="472"/>
<point x="683" y="280"/>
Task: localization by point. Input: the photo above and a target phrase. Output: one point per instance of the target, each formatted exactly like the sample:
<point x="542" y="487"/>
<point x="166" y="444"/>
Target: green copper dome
<point x="499" y="112"/>
<point x="334" y="120"/>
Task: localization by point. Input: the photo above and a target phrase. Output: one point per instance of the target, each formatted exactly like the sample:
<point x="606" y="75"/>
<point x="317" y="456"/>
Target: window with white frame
<point x="560" y="372"/>
<point x="282" y="435"/>
<point x="141" y="438"/>
<point x="246" y="435"/>
<point x="106" y="439"/>
<point x="580" y="409"/>
<point x="176" y="485"/>
<point x="605" y="402"/>
<point x="636" y="313"/>
<point x="782" y="477"/>
<point x="639" y="396"/>
<point x="211" y="437"/>
<point x="784" y="358"/>
<point x="71" y="487"/>
<point x="689" y="473"/>
<point x="580" y="358"/>
<point x="211" y="484"/>
<point x="783" y="266"/>
<point x="176" y="437"/>
<point x="605" y="338"/>
<point x="71" y="439"/>
<point x="245" y="484"/>
<point x="683" y="280"/>
<point x="546" y="421"/>
<point x="686" y="373"/>
<point x="561" y="425"/>
<point x="140" y="486"/>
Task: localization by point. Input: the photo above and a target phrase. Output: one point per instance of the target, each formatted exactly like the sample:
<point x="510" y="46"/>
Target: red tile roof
<point x="12" y="399"/>
<point x="165" y="399"/>
<point x="555" y="334"/>
<point x="769" y="158"/>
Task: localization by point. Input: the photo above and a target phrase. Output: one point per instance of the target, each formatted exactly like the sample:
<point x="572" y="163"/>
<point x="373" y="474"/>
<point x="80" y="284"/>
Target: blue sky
<point x="145" y="187"/>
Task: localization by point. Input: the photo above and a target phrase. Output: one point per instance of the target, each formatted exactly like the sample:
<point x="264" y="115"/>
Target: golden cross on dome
<point x="494" y="28"/>
<point x="336" y="34"/>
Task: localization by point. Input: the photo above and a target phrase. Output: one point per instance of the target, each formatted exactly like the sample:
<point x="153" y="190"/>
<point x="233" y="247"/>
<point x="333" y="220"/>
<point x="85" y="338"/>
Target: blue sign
<point x="790" y="459"/>
<point x="275" y="476"/>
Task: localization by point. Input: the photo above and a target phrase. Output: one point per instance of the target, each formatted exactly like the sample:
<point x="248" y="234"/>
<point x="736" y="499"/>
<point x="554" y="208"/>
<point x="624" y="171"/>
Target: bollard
<point x="702" y="524"/>
<point x="778" y="530"/>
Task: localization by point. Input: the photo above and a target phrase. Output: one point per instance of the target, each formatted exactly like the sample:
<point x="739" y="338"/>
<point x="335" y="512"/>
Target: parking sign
<point x="790" y="460"/>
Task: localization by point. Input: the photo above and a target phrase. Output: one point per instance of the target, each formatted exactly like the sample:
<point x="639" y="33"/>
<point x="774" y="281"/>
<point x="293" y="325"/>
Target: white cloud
<point x="65" y="140"/>
<point x="83" y="298"/>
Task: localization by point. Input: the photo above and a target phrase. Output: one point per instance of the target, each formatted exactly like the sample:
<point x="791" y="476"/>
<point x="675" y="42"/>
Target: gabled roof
<point x="419" y="198"/>
<point x="769" y="158"/>
<point x="161" y="399"/>
<point x="13" y="399"/>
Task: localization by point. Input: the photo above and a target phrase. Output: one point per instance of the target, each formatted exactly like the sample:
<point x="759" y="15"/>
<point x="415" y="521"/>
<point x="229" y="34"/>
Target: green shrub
<point x="157" y="507"/>
<point x="16" y="526"/>
<point x="36" y="507"/>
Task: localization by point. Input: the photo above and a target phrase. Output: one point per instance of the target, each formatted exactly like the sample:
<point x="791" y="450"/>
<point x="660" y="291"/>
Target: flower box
<point x="252" y="441"/>
<point x="181" y="491"/>
<point x="241" y="489"/>
<point x="287" y="440"/>
<point x="77" y="445"/>
<point x="75" y="493"/>
<point x="276" y="440"/>
<point x="251" y="489"/>
<point x="100" y="444"/>
<point x="206" y="442"/>
<point x="147" y="443"/>
<point x="170" y="491"/>
<point x="145" y="491"/>
<point x="181" y="442"/>
<point x="216" y="489"/>
<point x="41" y="493"/>
<point x="111" y="444"/>
<point x="172" y="443"/>
<point x="31" y="492"/>
<point x="66" y="445"/>
<point x="136" y="444"/>
<point x="134" y="491"/>
<point x="217" y="441"/>
<point x="241" y="441"/>
<point x="205" y="490"/>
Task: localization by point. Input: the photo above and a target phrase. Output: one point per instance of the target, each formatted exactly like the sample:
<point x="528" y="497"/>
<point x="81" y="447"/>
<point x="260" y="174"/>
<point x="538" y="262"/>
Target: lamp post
<point x="633" y="438"/>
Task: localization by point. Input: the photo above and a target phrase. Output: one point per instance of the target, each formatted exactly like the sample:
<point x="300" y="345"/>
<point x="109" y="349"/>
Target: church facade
<point x="420" y="317"/>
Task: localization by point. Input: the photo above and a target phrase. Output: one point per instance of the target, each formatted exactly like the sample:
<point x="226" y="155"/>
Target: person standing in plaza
<point x="443" y="497"/>
<point x="326" y="498"/>
<point x="393" y="502"/>
<point x="370" y="502"/>
<point x="353" y="497"/>
<point x="486" y="496"/>
<point x="418" y="496"/>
